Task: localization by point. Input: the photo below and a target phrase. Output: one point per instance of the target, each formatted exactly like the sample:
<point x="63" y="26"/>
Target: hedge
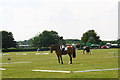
<point x="23" y="49"/>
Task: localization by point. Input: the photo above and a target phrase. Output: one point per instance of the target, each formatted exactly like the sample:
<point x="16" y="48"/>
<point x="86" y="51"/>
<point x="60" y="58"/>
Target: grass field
<point x="99" y="59"/>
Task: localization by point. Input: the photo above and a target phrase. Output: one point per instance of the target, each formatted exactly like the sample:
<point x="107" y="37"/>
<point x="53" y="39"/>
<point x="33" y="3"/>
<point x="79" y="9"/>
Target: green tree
<point x="72" y="41"/>
<point x="118" y="42"/>
<point x="91" y="40"/>
<point x="8" y="40"/>
<point x="90" y="36"/>
<point x="45" y="39"/>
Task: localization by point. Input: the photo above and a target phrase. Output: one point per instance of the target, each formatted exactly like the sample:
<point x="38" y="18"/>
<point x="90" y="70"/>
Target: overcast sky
<point x="70" y="18"/>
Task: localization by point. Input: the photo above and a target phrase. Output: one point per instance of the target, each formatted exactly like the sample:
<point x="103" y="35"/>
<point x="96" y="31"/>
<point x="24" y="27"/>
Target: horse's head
<point x="54" y="47"/>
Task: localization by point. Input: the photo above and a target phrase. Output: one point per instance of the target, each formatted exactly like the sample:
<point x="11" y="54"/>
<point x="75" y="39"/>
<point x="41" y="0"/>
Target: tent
<point x="95" y="45"/>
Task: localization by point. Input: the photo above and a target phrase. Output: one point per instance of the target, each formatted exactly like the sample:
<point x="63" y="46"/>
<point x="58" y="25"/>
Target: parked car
<point x="105" y="47"/>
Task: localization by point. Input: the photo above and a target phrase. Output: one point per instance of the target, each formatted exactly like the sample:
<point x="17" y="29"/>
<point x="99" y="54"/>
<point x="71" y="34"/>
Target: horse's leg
<point x="61" y="59"/>
<point x="90" y="52"/>
<point x="83" y="51"/>
<point x="87" y="52"/>
<point x="70" y="59"/>
<point x="58" y="59"/>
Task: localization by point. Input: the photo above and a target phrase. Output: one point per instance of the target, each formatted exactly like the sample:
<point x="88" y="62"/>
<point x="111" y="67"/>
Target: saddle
<point x="65" y="49"/>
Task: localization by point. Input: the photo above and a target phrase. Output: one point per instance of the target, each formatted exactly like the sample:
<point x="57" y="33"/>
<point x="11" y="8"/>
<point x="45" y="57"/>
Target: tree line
<point x="47" y="38"/>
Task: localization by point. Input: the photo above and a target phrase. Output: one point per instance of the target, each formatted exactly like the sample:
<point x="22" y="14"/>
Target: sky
<point x="70" y="18"/>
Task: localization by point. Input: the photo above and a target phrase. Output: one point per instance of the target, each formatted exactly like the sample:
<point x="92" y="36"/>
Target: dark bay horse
<point x="70" y="51"/>
<point x="87" y="49"/>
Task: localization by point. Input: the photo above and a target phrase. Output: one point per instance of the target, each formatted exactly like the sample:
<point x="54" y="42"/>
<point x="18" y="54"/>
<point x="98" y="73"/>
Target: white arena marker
<point x="41" y="53"/>
<point x="111" y="56"/>
<point x="96" y="70"/>
<point x="38" y="53"/>
<point x="52" y="71"/>
<point x="5" y="54"/>
<point x="77" y="71"/>
<point x="15" y="62"/>
<point x="21" y="62"/>
<point x="5" y="63"/>
<point x="21" y="54"/>
<point x="2" y="69"/>
<point x="24" y="54"/>
<point x="111" y="52"/>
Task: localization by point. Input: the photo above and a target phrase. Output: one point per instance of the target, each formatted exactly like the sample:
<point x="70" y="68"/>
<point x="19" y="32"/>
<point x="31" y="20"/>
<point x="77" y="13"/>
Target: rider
<point x="84" y="46"/>
<point x="62" y="44"/>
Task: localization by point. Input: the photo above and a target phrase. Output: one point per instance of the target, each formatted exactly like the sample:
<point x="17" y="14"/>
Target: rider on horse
<point x="62" y="44"/>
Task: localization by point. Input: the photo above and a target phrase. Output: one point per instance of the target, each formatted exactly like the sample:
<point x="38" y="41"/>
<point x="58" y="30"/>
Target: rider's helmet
<point x="61" y="37"/>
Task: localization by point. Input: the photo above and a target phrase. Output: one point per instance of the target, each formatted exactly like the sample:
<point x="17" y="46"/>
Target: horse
<point x="87" y="49"/>
<point x="70" y="51"/>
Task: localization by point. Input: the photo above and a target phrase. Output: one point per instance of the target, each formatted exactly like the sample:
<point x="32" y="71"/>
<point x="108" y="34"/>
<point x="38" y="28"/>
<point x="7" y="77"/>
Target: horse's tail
<point x="74" y="53"/>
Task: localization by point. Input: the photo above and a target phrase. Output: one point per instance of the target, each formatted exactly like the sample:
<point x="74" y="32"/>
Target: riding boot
<point x="63" y="50"/>
<point x="63" y="53"/>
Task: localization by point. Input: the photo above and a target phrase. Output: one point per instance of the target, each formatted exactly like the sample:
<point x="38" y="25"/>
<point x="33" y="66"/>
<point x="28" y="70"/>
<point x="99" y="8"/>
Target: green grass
<point x="96" y="60"/>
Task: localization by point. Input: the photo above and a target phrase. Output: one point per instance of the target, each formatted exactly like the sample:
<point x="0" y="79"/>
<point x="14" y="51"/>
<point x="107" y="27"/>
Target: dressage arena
<point x="102" y="63"/>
